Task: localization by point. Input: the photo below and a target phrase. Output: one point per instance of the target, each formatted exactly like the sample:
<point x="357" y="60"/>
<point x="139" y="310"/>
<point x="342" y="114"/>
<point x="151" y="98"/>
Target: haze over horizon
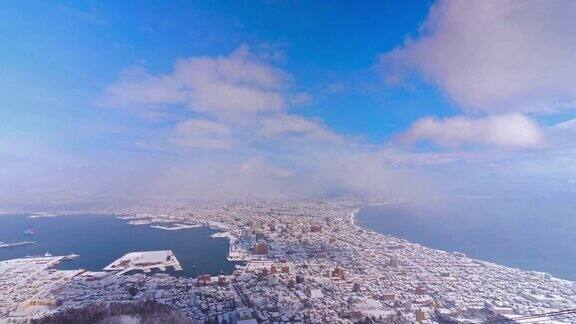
<point x="284" y="99"/>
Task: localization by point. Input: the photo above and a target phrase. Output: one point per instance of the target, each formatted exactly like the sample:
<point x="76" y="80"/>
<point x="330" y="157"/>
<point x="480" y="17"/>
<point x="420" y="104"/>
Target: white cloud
<point x="232" y="85"/>
<point x="509" y="130"/>
<point x="260" y="166"/>
<point x="234" y="99"/>
<point x="293" y="126"/>
<point x="137" y="88"/>
<point x="568" y="126"/>
<point x="563" y="134"/>
<point x="495" y="55"/>
<point x="201" y="133"/>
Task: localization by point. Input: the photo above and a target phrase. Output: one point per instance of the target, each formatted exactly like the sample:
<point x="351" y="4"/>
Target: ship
<point x="29" y="231"/>
<point x="70" y="256"/>
<point x="7" y="245"/>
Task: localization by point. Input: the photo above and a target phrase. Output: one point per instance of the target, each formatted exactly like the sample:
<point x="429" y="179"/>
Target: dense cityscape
<point x="300" y="261"/>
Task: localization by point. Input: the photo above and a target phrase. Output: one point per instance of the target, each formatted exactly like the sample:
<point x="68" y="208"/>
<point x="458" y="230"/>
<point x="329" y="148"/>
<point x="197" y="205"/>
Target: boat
<point x="71" y="256"/>
<point x="15" y="244"/>
<point x="29" y="231"/>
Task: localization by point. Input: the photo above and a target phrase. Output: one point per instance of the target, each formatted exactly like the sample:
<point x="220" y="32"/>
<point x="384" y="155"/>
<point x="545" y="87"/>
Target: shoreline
<point x="354" y="222"/>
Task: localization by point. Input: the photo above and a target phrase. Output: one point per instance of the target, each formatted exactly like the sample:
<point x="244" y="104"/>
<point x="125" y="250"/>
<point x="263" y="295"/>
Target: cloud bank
<point x="202" y="133"/>
<point x="231" y="85"/>
<point x="227" y="126"/>
<point x="494" y="56"/>
<point x="236" y="136"/>
<point x="508" y="131"/>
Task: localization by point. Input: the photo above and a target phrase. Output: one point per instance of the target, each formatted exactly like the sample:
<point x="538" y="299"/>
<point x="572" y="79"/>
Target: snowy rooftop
<point x="145" y="261"/>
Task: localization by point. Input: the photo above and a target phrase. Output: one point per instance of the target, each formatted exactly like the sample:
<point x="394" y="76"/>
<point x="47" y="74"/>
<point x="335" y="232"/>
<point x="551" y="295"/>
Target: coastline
<point x="354" y="222"/>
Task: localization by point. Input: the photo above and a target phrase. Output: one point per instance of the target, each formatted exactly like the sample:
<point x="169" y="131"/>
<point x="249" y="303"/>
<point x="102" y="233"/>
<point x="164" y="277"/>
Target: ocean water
<point x="100" y="239"/>
<point x="536" y="233"/>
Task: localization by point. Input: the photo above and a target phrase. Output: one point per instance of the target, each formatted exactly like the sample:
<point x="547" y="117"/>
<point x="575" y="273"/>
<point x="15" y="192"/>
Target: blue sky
<point x="278" y="91"/>
<point x="49" y="45"/>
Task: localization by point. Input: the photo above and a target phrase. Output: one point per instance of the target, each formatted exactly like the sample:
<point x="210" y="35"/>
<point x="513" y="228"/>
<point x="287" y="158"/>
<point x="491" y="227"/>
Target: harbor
<point x="101" y="239"/>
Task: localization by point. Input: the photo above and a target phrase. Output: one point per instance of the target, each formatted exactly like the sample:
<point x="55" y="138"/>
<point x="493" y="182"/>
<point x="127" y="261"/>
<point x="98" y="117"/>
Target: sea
<point x="531" y="233"/>
<point x="101" y="239"/>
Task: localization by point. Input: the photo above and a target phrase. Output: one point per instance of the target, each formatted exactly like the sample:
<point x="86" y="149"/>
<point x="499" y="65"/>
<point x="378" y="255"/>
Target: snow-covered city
<point x="301" y="261"/>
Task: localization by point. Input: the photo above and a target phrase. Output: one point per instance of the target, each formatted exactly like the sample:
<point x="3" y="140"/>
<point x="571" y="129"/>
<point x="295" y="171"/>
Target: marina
<point x="100" y="239"/>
